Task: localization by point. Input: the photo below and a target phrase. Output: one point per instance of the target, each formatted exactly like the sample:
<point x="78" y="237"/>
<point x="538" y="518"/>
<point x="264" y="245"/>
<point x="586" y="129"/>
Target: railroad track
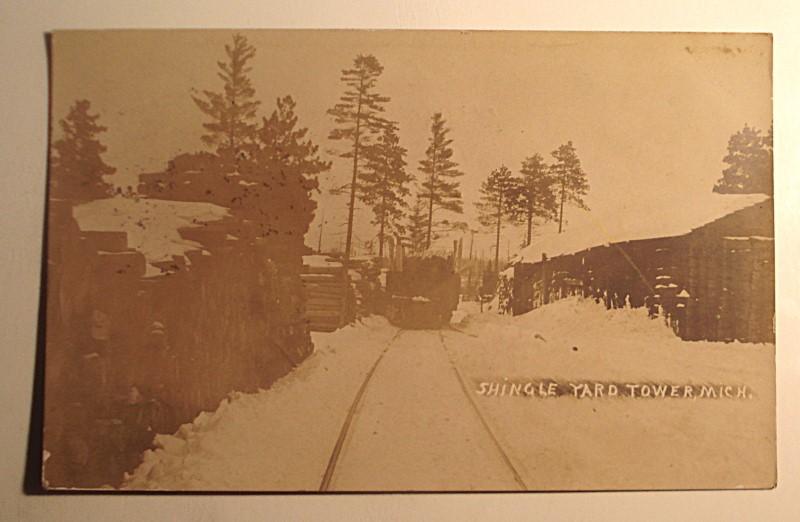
<point x="336" y="454"/>
<point x="337" y="449"/>
<point x="481" y="419"/>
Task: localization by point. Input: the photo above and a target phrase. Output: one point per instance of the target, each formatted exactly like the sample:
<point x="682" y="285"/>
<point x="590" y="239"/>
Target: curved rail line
<point x="337" y="449"/>
<point x="497" y="445"/>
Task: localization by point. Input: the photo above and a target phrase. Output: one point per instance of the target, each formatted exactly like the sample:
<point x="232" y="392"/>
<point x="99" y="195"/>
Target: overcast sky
<point x="649" y="114"/>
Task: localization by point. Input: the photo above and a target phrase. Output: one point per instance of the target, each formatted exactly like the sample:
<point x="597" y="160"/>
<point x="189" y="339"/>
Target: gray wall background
<point x="23" y="99"/>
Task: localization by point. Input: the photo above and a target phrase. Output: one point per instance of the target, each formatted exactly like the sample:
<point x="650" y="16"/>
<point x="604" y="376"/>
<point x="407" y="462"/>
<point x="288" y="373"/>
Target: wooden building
<point x="711" y="275"/>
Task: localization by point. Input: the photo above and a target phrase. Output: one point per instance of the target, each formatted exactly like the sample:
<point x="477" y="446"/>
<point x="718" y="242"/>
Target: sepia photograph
<point x="409" y="261"/>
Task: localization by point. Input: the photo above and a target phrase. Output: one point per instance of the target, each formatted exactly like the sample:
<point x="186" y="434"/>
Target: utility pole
<point x="321" y="224"/>
<point x="471" y="241"/>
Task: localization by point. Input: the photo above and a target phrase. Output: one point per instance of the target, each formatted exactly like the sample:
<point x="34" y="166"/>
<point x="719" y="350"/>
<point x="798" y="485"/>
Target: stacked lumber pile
<point x="326" y="286"/>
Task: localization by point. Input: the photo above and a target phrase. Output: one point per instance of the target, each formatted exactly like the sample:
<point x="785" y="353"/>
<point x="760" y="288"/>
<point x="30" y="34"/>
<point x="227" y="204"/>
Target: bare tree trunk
<point x="232" y="134"/>
<point x="430" y="209"/>
<point x="497" y="242"/>
<point x="353" y="184"/>
<point x="383" y="221"/>
<point x="563" y="195"/>
<point x="530" y="221"/>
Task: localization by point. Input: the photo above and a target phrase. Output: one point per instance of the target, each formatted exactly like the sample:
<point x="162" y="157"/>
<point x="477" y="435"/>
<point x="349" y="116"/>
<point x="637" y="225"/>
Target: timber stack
<point x="328" y="294"/>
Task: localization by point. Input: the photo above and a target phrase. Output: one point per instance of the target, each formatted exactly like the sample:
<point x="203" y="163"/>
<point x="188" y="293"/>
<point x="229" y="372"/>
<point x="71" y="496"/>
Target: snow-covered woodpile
<point x="140" y="331"/>
<point x="711" y="277"/>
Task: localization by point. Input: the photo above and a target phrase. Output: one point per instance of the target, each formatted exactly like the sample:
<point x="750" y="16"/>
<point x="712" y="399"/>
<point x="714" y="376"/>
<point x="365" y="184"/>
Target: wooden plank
<point x="332" y="296"/>
<point x="325" y="313"/>
<point x="332" y="303"/>
<point x="323" y="287"/>
<point x="320" y="276"/>
<point x="333" y="270"/>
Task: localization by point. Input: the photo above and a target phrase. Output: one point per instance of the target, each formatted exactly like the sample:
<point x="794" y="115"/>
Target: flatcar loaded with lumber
<point x="423" y="292"/>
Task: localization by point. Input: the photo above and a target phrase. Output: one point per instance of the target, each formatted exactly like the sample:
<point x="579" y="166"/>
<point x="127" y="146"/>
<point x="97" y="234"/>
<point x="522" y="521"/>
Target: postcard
<point x="409" y="261"/>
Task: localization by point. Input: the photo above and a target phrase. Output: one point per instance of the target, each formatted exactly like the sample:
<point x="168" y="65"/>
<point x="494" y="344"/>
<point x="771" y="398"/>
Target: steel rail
<point x="337" y="449"/>
<point x="497" y="445"/>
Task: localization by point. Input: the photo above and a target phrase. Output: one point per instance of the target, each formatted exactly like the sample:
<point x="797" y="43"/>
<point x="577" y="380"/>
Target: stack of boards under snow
<point x="328" y="293"/>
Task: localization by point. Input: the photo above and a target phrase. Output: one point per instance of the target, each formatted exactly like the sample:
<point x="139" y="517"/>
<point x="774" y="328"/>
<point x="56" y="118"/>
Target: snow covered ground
<point x="621" y="442"/>
<point x="277" y="439"/>
<point x="415" y="428"/>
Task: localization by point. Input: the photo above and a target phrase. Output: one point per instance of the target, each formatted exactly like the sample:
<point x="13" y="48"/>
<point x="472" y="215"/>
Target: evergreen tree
<point x="76" y="167"/>
<point x="278" y="182"/>
<point x="440" y="187"/>
<point x="750" y="163"/>
<point x="192" y="176"/>
<point x="570" y="179"/>
<point x="383" y="183"/>
<point x="417" y="227"/>
<point x="358" y="120"/>
<point x="537" y="194"/>
<point x="499" y="201"/>
<point x="232" y="128"/>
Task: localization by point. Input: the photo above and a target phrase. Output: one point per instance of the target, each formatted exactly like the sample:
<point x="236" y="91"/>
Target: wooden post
<point x="545" y="281"/>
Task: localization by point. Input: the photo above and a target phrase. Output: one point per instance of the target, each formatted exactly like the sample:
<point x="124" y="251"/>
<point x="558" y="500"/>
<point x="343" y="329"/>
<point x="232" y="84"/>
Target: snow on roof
<point x="321" y="261"/>
<point x="431" y="252"/>
<point x="151" y="224"/>
<point x="627" y="225"/>
<point x="365" y="257"/>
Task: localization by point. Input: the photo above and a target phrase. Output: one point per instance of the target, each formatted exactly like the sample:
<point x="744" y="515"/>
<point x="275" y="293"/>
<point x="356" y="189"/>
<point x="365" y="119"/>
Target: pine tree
<point x="499" y="201"/>
<point x="383" y="183"/>
<point x="537" y="196"/>
<point x="439" y="169"/>
<point x="232" y="128"/>
<point x="358" y="118"/>
<point x="77" y="168"/>
<point x="279" y="180"/>
<point x="570" y="179"/>
<point x="417" y="227"/>
<point x="750" y="163"/>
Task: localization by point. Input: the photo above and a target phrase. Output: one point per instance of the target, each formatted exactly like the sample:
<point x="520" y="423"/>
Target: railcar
<point x="423" y="293"/>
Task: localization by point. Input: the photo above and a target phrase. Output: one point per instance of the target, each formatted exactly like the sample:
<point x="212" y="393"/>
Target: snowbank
<point x="278" y="439"/>
<point x="611" y="343"/>
<point x="622" y="443"/>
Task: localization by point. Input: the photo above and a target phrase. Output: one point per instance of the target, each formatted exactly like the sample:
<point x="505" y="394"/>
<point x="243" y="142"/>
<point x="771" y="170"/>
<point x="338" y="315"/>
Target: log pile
<point x="327" y="294"/>
<point x="129" y="354"/>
